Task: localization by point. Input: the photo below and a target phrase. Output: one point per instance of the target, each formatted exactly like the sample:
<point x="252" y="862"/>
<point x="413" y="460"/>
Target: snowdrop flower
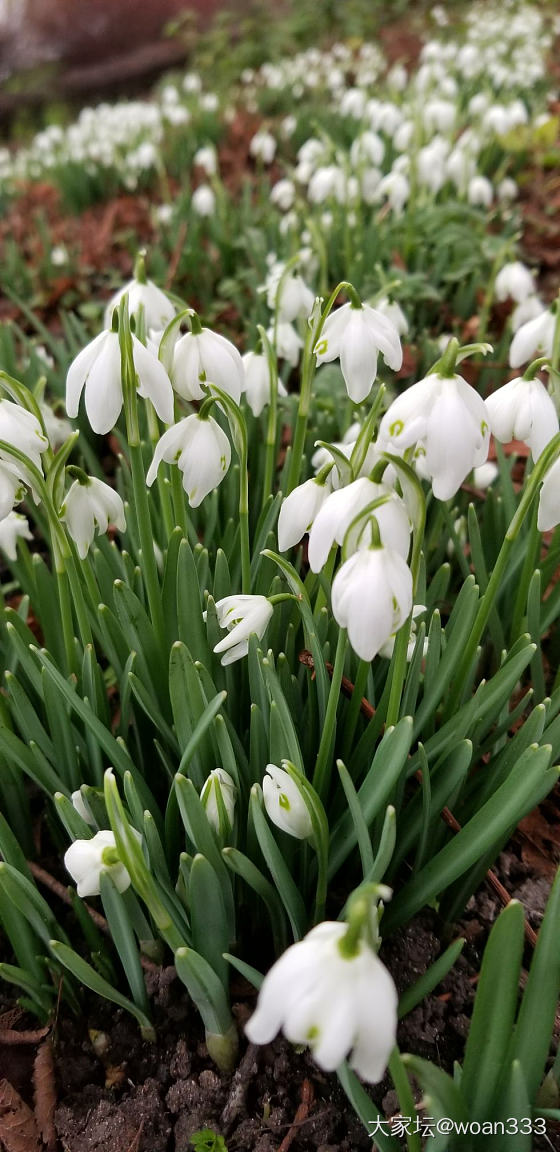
<point x="393" y="312"/>
<point x="326" y="182"/>
<point x="357" y="335"/>
<point x="387" y="649"/>
<point x="85" y="860"/>
<point x="158" y="309"/>
<point x="336" y="1003"/>
<point x="202" y="452"/>
<point x="283" y="194"/>
<point x="13" y="527"/>
<point x="12" y="487"/>
<point x="59" y="256"/>
<point x="57" y="428"/>
<point x="549" y="501"/>
<point x="523" y="410"/>
<point x="219" y="790"/>
<point x="449" y="424"/>
<point x="22" y="430"/>
<point x="372" y="598"/>
<point x="528" y="309"/>
<point x="206" y="357"/>
<point x="337" y="512"/>
<point x="532" y="338"/>
<point x="89" y="504"/>
<point x="507" y="190"/>
<point x="289" y="294"/>
<point x="207" y="159"/>
<point x="263" y="147"/>
<point x="286" y="341"/>
<point x="257" y="381"/>
<point x="284" y="803"/>
<point x="485" y="474"/>
<point x="243" y="616"/>
<point x="515" y="281"/>
<point x="396" y="188"/>
<point x="298" y="512"/>
<point x="203" y="201"/>
<point x="97" y="368"/>
<point x="480" y="191"/>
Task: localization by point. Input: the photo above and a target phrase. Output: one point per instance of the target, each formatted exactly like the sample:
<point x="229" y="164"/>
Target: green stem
<point x="328" y="734"/>
<point x="354" y="707"/>
<point x="178" y="497"/>
<point x="406" y="1099"/>
<point x="546" y="459"/>
<point x="244" y="518"/>
<point x="76" y="589"/>
<point x="65" y="604"/>
<point x="143" y="518"/>
<point x="272" y="422"/>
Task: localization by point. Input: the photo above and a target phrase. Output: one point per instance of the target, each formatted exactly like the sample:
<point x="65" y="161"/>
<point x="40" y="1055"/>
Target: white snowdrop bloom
<point x="549" y="501"/>
<point x="478" y="103"/>
<point x="485" y="474"/>
<point x="283" y="194"/>
<point x="507" y="190"/>
<point x="461" y="167"/>
<point x="163" y="213"/>
<point x="515" y="281"/>
<point x="157" y="308"/>
<point x="57" y="428"/>
<point x="205" y="357"/>
<point x="263" y="147"/>
<point x="387" y="649"/>
<point x="523" y="410"/>
<point x="322" y="456"/>
<point x="394" y="313"/>
<point x="368" y="148"/>
<point x="372" y="598"/>
<point x="202" y="452"/>
<point x="286" y="341"/>
<point x="288" y="126"/>
<point x="370" y="179"/>
<point x="257" y="381"/>
<point x="203" y="201"/>
<point x="533" y="338"/>
<point x="85" y="860"/>
<point x="192" y="82"/>
<point x="88" y="505"/>
<point x="356" y="336"/>
<point x="298" y="512"/>
<point x="396" y="188"/>
<point x="288" y="223"/>
<point x="439" y="115"/>
<point x="243" y="616"/>
<point x="98" y="369"/>
<point x="59" y="256"/>
<point x="284" y="803"/>
<point x="397" y="77"/>
<point x="333" y="519"/>
<point x="448" y="422"/>
<point x="353" y="103"/>
<point x="209" y="102"/>
<point x="13" y="527"/>
<point x="219" y="781"/>
<point x="207" y="159"/>
<point x="528" y="309"/>
<point x="402" y="138"/>
<point x="289" y="294"/>
<point x="480" y="191"/>
<point x="326" y="182"/>
<point x="337" y="1004"/>
<point x="21" y="430"/>
<point x="430" y="164"/>
<point x="12" y="486"/>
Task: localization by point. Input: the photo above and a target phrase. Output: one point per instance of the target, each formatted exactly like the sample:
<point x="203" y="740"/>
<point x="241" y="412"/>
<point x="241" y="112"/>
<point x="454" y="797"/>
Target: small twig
<point x="307" y="1098"/>
<point x="59" y="890"/>
<point x="447" y="816"/>
<point x="244" y="1073"/>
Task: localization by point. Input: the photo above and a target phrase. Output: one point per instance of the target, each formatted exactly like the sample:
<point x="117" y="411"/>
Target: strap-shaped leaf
<point x="92" y="980"/>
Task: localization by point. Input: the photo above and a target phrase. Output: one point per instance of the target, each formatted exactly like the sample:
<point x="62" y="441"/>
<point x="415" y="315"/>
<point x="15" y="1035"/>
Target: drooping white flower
<point x="337" y="1004"/>
<point x="21" y="430"/>
<point x="12" y="486"/>
<point x="485" y="474"/>
<point x="515" y="281"/>
<point x="283" y="194"/>
<point x="57" y="428"/>
<point x="340" y="508"/>
<point x="205" y="357"/>
<point x="392" y="311"/>
<point x="85" y="862"/>
<point x="207" y="159"/>
<point x="298" y="512"/>
<point x="533" y="338"/>
<point x="288" y="294"/>
<point x="287" y="342"/>
<point x="89" y="504"/>
<point x="528" y="309"/>
<point x="396" y="188"/>
<point x="80" y="807"/>
<point x="387" y="649"/>
<point x="480" y="192"/>
<point x="523" y="410"/>
<point x="284" y="803"/>
<point x="97" y="368"/>
<point x="372" y="598"/>
<point x="243" y="616"/>
<point x="203" y="201"/>
<point x="202" y="452"/>
<point x="449" y="424"/>
<point x="157" y="307"/>
<point x="357" y="335"/>
<point x="13" y="527"/>
<point x="263" y="146"/>
<point x="257" y="381"/>
<point x="549" y="501"/>
<point x="219" y="781"/>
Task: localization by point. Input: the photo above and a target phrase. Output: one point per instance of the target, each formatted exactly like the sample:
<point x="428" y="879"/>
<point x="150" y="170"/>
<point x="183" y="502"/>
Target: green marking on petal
<point x="284" y="802"/>
<point x="321" y="347"/>
<point x="396" y="428"/>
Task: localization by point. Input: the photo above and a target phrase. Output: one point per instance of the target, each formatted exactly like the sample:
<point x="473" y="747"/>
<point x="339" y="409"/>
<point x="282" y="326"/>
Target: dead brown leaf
<point x="44" y="1087"/>
<point x="18" y="1127"/>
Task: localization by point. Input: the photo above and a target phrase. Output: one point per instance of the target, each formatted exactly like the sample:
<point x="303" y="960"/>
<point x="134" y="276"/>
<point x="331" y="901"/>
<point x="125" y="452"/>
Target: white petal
<point x="78" y="373"/>
<point x="103" y="394"/>
<point x="153" y="382"/>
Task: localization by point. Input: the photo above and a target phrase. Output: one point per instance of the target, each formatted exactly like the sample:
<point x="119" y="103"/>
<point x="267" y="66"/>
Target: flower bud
<point x="284" y="803"/>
